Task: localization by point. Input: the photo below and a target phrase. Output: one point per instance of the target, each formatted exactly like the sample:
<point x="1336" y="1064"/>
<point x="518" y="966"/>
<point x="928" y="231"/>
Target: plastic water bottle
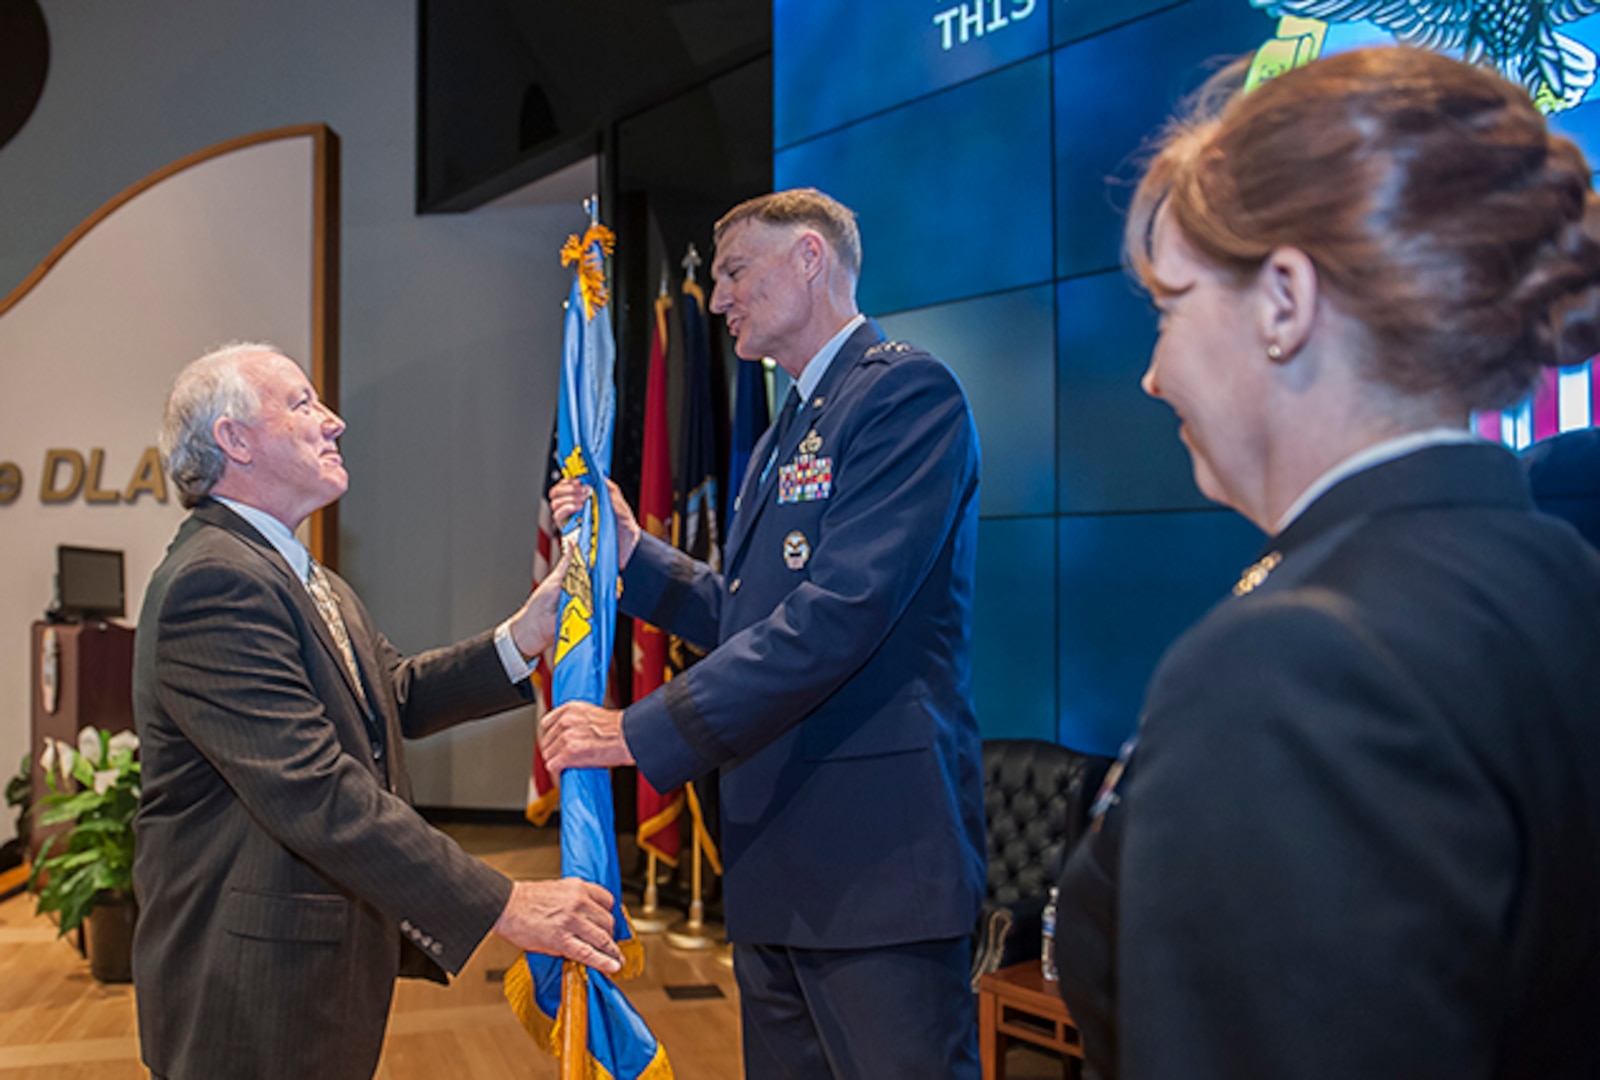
<point x="1047" y="937"/>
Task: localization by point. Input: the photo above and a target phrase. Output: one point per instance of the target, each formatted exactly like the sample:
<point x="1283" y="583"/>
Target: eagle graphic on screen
<point x="1518" y="37"/>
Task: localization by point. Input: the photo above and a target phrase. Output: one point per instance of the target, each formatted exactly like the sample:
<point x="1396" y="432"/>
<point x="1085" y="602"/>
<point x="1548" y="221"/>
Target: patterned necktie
<point x="328" y="606"/>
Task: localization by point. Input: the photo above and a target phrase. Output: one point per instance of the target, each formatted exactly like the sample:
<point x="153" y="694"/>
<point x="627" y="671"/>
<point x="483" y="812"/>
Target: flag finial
<point x="691" y="261"/>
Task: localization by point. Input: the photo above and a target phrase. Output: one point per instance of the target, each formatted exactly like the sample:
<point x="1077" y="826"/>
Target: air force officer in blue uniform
<point x="837" y="701"/>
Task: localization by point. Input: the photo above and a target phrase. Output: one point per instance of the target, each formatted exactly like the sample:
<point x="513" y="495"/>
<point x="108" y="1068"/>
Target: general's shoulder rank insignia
<point x="796" y="550"/>
<point x="1257" y="573"/>
<point x="887" y="348"/>
<point x="805" y="479"/>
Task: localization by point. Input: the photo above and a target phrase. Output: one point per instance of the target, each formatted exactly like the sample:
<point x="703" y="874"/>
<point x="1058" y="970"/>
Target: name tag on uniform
<point x="807" y="478"/>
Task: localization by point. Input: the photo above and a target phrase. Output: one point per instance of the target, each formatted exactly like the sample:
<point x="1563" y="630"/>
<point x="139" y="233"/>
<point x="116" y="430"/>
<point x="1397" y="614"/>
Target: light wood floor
<point x="58" y="1023"/>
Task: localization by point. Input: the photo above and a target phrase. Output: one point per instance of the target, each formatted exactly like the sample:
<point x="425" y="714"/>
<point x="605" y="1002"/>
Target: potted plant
<point x="86" y="871"/>
<point x="19" y="794"/>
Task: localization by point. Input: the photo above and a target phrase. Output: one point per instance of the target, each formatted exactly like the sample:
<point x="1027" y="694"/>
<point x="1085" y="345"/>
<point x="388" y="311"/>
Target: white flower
<point x="47" y="759"/>
<point x="67" y="759"/>
<point x="125" y="740"/>
<point x="104" y="779"/>
<point x="89" y="744"/>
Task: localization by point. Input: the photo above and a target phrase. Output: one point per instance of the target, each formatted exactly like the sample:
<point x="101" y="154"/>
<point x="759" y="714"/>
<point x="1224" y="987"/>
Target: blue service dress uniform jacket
<point x="837" y="700"/>
<point x="1359" y="835"/>
<point x="283" y="879"/>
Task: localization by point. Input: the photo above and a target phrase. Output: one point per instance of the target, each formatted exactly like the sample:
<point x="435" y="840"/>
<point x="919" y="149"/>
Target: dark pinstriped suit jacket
<point x="281" y="871"/>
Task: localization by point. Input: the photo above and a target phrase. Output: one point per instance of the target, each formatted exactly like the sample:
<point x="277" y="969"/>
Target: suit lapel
<point x="758" y="486"/>
<point x="214" y="513"/>
<point x="383" y="721"/>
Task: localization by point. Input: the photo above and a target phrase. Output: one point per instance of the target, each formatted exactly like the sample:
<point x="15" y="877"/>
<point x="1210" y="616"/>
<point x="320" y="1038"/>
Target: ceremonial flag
<point x="542" y="793"/>
<point x="658" y="813"/>
<point x="696" y="529"/>
<point x="750" y="418"/>
<point x="572" y="1011"/>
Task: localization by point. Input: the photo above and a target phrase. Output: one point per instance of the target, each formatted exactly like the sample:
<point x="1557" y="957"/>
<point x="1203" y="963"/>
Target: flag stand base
<point x="650" y="919"/>
<point x="648" y="923"/>
<point x="690" y="935"/>
<point x="690" y="939"/>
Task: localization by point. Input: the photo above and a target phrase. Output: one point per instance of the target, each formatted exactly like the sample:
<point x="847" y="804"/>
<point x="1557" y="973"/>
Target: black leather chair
<point x="1037" y="797"/>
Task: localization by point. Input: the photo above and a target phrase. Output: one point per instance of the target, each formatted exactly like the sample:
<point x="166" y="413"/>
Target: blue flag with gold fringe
<point x="552" y="998"/>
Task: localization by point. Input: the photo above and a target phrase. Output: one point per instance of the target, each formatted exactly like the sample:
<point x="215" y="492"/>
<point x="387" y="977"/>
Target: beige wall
<point x="220" y="250"/>
<point x="450" y="326"/>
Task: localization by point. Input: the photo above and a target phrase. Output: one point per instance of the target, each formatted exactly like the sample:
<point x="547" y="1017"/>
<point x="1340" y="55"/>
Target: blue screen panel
<point x="1130" y="584"/>
<point x="952" y="191"/>
<point x="1076" y="19"/>
<point x="1113" y="93"/>
<point x="838" y="62"/>
<point x="1014" y="642"/>
<point x="1002" y="349"/>
<point x="1118" y="447"/>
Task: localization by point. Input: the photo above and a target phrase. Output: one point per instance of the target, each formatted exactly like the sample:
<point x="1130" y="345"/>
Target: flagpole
<point x="574" y="988"/>
<point x="575" y="1021"/>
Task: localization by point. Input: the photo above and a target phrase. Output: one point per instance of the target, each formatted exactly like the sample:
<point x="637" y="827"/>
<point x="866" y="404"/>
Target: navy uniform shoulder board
<point x="889" y="348"/>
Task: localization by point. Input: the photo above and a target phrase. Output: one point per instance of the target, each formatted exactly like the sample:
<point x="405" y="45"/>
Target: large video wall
<point x="989" y="147"/>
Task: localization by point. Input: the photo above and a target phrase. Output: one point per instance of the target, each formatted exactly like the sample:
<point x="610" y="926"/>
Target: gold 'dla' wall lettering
<point x="67" y="475"/>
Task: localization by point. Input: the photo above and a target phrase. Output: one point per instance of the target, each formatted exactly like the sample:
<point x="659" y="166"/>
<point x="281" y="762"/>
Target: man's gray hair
<point x="203" y="393"/>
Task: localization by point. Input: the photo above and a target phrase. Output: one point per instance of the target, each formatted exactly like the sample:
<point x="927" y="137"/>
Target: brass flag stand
<point x="690" y="934"/>
<point x="650" y="918"/>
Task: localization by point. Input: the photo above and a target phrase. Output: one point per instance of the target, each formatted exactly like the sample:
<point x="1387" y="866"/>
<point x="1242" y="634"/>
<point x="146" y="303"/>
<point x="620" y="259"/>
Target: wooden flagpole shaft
<point x="575" y="1021"/>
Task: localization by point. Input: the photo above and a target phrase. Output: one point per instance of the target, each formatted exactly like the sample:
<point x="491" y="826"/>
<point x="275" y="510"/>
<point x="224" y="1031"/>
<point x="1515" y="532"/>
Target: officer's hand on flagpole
<point x="570" y="918"/>
<point x="566" y="499"/>
<point x="533" y="627"/>
<point x="580" y="735"/>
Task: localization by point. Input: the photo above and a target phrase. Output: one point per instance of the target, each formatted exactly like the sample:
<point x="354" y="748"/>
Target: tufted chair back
<point x="1036" y="800"/>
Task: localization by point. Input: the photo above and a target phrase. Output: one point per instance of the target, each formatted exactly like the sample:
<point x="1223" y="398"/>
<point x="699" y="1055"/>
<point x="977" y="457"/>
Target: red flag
<point x="658" y="813"/>
<point x="543" y="795"/>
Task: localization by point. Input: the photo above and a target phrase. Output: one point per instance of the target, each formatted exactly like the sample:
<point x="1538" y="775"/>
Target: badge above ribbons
<point x="808" y="478"/>
<point x="579" y="1015"/>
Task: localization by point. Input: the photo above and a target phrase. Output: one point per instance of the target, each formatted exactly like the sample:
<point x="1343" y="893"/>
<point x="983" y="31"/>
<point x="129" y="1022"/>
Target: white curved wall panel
<point x="222" y="249"/>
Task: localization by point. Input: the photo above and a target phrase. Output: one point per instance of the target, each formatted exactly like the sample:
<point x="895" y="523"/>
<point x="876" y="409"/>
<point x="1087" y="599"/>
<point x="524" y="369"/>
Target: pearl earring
<point x="1274" y="352"/>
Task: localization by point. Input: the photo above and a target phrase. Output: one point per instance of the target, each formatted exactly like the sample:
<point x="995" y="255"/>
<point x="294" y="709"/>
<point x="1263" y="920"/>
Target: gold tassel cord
<point x="591" y="265"/>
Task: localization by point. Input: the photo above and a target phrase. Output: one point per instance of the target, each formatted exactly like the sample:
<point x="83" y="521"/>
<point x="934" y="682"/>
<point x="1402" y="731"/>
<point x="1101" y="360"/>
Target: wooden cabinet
<point x="93" y="684"/>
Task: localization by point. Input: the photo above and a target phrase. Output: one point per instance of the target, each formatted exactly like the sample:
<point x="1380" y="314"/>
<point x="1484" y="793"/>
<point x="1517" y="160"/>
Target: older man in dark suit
<point x="283" y="878"/>
<point x="837" y="700"/>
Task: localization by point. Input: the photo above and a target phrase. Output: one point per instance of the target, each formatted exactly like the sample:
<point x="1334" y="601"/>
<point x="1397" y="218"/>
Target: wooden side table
<point x="1016" y="1003"/>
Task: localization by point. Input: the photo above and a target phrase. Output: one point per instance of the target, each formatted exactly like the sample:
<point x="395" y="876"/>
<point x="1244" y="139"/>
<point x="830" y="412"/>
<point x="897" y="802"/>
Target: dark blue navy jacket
<point x="1360" y="833"/>
<point x="838" y="699"/>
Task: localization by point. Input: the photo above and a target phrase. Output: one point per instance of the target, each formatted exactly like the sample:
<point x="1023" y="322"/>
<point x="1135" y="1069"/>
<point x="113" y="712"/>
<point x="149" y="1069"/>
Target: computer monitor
<point x="89" y="583"/>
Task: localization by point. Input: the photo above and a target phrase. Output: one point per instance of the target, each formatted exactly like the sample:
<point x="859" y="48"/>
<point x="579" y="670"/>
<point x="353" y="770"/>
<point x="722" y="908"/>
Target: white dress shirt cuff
<point x="511" y="659"/>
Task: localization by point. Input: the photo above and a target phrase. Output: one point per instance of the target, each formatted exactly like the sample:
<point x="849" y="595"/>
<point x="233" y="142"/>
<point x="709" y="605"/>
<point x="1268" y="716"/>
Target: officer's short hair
<point x="803" y="206"/>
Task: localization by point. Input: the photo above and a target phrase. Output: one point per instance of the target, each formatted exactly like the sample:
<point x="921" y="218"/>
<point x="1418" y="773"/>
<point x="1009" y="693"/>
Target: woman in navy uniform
<point x="1358" y="834"/>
